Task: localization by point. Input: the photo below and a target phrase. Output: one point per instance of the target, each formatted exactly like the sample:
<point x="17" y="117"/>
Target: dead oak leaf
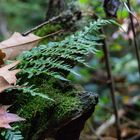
<point x="7" y="77"/>
<point x="16" y="44"/>
<point x="4" y="84"/>
<point x="6" y="118"/>
<point x="2" y="56"/>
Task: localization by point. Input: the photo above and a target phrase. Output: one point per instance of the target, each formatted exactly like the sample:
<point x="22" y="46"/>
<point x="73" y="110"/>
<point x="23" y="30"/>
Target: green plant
<point x="12" y="135"/>
<point x="56" y="58"/>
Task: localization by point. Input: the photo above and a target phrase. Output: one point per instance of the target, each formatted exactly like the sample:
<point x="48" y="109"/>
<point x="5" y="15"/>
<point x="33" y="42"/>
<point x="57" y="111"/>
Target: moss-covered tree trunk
<point x="62" y="119"/>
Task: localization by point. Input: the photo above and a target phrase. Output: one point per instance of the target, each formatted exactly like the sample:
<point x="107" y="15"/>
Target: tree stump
<point x="63" y="119"/>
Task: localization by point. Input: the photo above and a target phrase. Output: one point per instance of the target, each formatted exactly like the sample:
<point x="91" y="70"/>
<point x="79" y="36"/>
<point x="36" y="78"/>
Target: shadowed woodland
<point x="69" y="70"/>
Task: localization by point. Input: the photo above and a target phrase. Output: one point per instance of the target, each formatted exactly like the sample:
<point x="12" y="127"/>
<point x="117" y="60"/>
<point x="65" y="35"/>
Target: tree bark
<point x="55" y="7"/>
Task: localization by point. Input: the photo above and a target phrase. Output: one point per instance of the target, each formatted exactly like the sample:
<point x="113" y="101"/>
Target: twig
<point x="52" y="34"/>
<point x="136" y="137"/>
<point x="105" y="126"/>
<point x="66" y="14"/>
<point x="93" y="131"/>
<point x="129" y="10"/>
<point x="108" y="123"/>
<point x="41" y="25"/>
<point x="112" y="87"/>
<point x="134" y="35"/>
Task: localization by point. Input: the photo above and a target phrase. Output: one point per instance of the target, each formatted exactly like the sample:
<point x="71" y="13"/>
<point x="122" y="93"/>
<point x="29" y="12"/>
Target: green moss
<point x="47" y="113"/>
<point x="67" y="105"/>
<point x="64" y="103"/>
<point x="32" y="107"/>
<point x="49" y="28"/>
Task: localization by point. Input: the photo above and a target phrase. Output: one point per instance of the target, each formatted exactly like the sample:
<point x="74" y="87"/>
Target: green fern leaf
<point x="56" y="57"/>
<point x="12" y="135"/>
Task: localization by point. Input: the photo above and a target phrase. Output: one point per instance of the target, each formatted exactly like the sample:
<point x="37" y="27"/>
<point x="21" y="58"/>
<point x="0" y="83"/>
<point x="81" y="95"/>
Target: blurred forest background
<point x="22" y="15"/>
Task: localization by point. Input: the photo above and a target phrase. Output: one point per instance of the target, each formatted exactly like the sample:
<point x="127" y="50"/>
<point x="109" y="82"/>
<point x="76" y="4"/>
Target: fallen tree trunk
<point x="63" y="119"/>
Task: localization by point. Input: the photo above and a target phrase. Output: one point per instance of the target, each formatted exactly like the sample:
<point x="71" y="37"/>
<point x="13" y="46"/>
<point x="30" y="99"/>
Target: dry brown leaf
<point x="2" y="56"/>
<point x="128" y="132"/>
<point x="108" y="138"/>
<point x="4" y="84"/>
<point x="16" y="44"/>
<point x="6" y="118"/>
<point x="7" y="77"/>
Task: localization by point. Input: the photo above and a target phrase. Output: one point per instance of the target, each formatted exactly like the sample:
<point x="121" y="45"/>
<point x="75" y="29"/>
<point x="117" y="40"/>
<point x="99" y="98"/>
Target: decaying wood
<point x="71" y="127"/>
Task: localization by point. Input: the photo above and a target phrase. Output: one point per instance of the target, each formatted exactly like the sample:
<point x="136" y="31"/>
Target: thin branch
<point x="93" y="131"/>
<point x="134" y="36"/>
<point x="129" y="10"/>
<point x="65" y="15"/>
<point x="112" y="88"/>
<point x="52" y="34"/>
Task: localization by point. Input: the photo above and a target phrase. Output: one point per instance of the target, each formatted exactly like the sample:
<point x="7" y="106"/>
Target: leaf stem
<point x="134" y="36"/>
<point x="63" y="16"/>
<point x="112" y="87"/>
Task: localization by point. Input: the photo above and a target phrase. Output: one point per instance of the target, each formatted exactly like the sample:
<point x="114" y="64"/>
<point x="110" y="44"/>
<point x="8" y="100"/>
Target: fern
<point x="12" y="135"/>
<point x="55" y="58"/>
<point x="33" y="92"/>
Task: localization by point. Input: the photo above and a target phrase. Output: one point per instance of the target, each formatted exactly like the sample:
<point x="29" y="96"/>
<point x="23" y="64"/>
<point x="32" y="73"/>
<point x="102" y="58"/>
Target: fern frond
<point x="12" y="135"/>
<point x="33" y="92"/>
<point x="56" y="57"/>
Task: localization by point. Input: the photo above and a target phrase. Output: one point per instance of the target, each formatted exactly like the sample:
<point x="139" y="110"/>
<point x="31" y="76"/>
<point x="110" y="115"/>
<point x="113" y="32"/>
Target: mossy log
<point x="62" y="119"/>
